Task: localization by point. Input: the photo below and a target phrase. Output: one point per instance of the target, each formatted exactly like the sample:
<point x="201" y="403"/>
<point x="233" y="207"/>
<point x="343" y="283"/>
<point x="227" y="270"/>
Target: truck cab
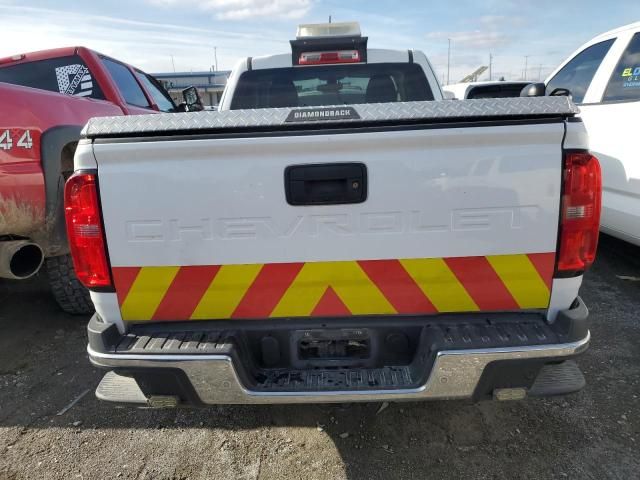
<point x="47" y="97"/>
<point x="330" y="64"/>
<point x="82" y="72"/>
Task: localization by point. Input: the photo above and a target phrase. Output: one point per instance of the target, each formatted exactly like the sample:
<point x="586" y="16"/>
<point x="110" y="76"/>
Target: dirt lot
<point x="594" y="434"/>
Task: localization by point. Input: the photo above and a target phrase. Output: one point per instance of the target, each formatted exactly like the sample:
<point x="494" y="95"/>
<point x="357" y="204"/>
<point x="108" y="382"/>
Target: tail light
<point x="324" y="58"/>
<point x="581" y="204"/>
<point x="84" y="230"/>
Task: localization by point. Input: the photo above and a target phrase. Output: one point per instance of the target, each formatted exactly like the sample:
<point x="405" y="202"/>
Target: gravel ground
<point x="594" y="434"/>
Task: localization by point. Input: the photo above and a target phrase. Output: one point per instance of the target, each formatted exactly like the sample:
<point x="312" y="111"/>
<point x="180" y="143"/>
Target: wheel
<point x="70" y="294"/>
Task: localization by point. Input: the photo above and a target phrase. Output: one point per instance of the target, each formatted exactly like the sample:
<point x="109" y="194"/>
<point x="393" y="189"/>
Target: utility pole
<point x="329" y="18"/>
<point x="448" y="60"/>
<point x="526" y="65"/>
<point x="540" y="73"/>
<point x="490" y="67"/>
<point x="215" y="58"/>
<point x="174" y="64"/>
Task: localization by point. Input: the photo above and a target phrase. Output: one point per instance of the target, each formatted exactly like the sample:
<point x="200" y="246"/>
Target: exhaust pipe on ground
<point x="20" y="259"/>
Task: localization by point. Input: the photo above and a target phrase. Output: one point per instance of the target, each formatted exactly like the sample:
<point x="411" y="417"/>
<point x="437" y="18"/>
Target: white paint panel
<point x="621" y="215"/>
<point x="576" y="137"/>
<point x="83" y="158"/>
<point x="612" y="138"/>
<point x="432" y="193"/>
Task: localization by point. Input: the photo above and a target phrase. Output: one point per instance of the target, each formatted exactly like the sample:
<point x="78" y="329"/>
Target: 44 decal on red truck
<point x="17" y="138"/>
<point x="25" y="139"/>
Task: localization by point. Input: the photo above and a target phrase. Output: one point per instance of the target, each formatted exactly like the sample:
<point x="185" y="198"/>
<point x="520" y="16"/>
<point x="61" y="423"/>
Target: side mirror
<point x="534" y="90"/>
<point x="561" y="92"/>
<point x="192" y="100"/>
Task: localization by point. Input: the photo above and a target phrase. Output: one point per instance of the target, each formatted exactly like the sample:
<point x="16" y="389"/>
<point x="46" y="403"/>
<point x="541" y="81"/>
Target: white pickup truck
<point x="392" y="246"/>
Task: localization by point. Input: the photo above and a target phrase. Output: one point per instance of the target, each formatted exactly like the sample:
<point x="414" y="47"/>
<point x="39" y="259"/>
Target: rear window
<point x="331" y="85"/>
<point x="68" y="75"/>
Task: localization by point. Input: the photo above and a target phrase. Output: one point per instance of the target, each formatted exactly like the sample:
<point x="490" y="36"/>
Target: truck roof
<point x="328" y="44"/>
<point x="615" y="31"/>
<point x="321" y="44"/>
<point x="45" y="55"/>
<point x="39" y="55"/>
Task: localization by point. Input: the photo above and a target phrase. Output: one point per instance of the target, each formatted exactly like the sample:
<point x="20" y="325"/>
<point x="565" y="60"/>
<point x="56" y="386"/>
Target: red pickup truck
<point x="46" y="98"/>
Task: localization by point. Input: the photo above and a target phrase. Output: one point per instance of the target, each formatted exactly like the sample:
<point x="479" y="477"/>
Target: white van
<point x="603" y="76"/>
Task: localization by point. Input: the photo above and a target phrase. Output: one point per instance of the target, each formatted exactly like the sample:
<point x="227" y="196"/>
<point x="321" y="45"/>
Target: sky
<point x="163" y="35"/>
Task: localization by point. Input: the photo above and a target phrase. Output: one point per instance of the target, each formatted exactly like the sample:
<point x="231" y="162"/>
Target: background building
<point x="209" y="84"/>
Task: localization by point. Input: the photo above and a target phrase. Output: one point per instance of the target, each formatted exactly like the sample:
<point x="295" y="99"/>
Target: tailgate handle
<point x="325" y="184"/>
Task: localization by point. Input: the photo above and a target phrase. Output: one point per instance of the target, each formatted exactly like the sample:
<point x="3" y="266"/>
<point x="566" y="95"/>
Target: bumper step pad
<point x="120" y="389"/>
<point x="558" y="379"/>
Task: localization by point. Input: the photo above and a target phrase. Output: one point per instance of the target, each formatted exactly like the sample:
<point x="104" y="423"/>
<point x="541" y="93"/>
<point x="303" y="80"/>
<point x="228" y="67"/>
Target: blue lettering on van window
<point x="631" y="77"/>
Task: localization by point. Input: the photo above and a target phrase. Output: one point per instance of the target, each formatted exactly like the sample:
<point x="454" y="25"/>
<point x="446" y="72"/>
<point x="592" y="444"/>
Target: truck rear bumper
<point x="204" y="366"/>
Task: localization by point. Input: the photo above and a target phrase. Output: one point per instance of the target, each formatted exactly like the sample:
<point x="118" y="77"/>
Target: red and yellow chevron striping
<point x="366" y="287"/>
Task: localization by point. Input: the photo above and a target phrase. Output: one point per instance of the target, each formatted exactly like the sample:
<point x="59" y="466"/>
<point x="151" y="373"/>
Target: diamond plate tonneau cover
<point x="369" y="113"/>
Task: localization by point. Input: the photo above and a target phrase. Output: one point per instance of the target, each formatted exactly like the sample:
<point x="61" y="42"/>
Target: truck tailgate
<point x="456" y="219"/>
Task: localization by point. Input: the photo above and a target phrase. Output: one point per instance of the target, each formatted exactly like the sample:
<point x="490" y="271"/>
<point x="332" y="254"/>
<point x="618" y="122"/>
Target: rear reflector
<point x="84" y="229"/>
<point x="581" y="204"/>
<point x="325" y="58"/>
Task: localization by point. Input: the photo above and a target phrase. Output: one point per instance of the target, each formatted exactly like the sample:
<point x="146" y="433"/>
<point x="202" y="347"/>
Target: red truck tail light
<point x="581" y="204"/>
<point x="84" y="230"/>
<point x="324" y="58"/>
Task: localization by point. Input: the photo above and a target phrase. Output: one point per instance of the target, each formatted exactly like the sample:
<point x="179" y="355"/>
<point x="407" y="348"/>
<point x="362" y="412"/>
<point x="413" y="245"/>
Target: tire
<point x="70" y="294"/>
